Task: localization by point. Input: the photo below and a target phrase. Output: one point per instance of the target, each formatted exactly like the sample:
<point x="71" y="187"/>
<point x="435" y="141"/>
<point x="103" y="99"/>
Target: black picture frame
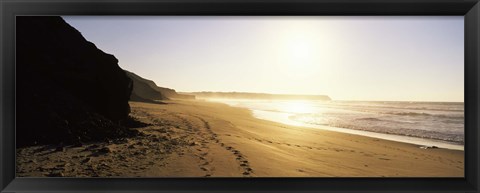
<point x="9" y="9"/>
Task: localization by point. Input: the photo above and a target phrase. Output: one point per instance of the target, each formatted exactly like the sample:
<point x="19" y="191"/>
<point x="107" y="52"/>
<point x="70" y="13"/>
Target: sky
<point x="370" y="58"/>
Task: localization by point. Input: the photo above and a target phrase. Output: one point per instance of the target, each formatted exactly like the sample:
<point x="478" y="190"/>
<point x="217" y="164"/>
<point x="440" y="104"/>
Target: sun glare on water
<point x="298" y="107"/>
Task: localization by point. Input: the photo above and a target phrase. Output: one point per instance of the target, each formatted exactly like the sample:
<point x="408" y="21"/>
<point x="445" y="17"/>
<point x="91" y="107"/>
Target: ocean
<point x="438" y="124"/>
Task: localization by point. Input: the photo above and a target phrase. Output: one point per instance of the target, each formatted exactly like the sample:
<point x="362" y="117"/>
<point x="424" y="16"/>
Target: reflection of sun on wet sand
<point x="195" y="138"/>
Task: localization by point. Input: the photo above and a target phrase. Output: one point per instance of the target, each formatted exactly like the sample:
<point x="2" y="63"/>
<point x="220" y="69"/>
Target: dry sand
<point x="198" y="139"/>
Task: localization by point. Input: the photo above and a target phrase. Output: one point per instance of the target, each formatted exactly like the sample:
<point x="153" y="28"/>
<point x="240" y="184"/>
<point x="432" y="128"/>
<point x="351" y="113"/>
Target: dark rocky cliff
<point x="67" y="89"/>
<point x="145" y="90"/>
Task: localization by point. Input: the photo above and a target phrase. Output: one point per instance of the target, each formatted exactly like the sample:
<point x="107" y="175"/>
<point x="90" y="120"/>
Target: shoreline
<point x="282" y="117"/>
<point x="391" y="137"/>
<point x="191" y="138"/>
<point x="256" y="137"/>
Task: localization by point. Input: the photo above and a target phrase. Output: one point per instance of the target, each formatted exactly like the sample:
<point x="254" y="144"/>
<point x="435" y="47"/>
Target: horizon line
<point x="332" y="99"/>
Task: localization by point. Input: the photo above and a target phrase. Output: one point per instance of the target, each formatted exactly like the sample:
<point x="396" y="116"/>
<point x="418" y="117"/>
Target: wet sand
<point x="207" y="139"/>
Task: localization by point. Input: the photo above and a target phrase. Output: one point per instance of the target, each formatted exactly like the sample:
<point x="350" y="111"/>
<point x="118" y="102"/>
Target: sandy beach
<point x="193" y="138"/>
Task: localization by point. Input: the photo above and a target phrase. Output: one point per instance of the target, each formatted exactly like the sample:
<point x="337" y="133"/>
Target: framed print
<point x="254" y="96"/>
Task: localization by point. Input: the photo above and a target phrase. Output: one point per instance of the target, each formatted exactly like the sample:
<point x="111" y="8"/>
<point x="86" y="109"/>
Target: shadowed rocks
<point x="68" y="90"/>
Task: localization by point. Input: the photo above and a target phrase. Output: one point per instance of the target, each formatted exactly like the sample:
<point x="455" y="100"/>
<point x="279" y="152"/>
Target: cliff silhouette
<point x="68" y="90"/>
<point x="145" y="90"/>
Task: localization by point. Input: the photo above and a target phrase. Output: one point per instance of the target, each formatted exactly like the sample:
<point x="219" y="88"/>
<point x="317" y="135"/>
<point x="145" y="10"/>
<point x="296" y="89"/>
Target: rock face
<point x="145" y="90"/>
<point x="67" y="89"/>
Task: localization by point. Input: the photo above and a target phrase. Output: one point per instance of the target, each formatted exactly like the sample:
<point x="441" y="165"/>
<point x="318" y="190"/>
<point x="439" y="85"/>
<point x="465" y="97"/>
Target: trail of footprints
<point x="206" y="137"/>
<point x="203" y="143"/>
<point x="247" y="170"/>
<point x="239" y="157"/>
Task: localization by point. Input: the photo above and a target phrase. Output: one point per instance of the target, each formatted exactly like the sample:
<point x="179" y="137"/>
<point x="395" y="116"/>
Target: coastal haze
<point x="388" y="58"/>
<point x="243" y="96"/>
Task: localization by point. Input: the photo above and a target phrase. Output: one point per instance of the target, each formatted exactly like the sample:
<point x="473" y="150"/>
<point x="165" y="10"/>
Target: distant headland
<point x="247" y="95"/>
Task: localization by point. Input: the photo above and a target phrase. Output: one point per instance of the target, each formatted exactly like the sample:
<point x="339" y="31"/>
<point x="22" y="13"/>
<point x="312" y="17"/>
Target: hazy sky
<point x="347" y="58"/>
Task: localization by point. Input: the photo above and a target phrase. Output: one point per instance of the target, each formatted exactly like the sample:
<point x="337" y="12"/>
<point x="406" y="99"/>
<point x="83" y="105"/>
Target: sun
<point x="300" y="56"/>
<point x="304" y="52"/>
<point x="300" y="50"/>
